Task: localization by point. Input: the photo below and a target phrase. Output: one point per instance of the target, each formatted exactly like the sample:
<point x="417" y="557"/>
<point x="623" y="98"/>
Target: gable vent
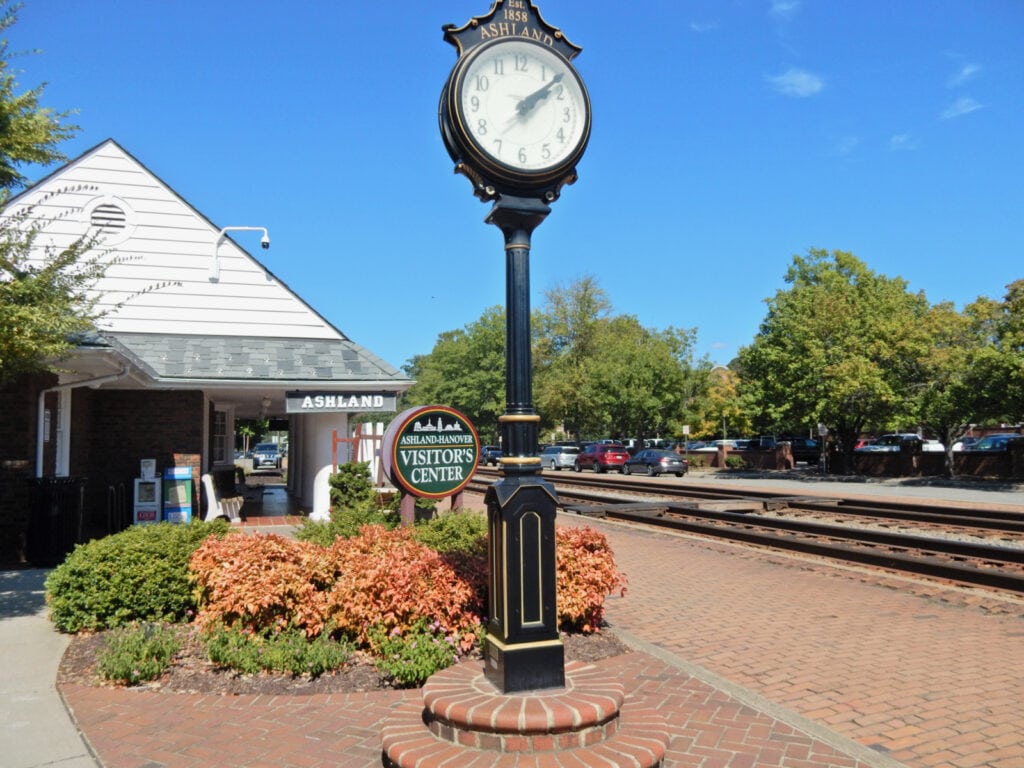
<point x="107" y="217"/>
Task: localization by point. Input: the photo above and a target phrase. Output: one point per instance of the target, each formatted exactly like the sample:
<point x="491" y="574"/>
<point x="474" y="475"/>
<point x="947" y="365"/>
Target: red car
<point x="601" y="457"/>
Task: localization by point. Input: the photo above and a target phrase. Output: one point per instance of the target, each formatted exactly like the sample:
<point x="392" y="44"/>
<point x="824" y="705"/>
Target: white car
<point x="891" y="443"/>
<point x="558" y="457"/>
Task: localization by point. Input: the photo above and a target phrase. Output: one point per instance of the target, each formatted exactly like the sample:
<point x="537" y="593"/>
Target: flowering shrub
<point x="410" y="658"/>
<point x="390" y="581"/>
<point x="585" y="575"/>
<point x="264" y="583"/>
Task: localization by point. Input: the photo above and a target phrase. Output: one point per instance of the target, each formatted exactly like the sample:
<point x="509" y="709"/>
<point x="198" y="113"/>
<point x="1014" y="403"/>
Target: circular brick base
<point x="463" y="718"/>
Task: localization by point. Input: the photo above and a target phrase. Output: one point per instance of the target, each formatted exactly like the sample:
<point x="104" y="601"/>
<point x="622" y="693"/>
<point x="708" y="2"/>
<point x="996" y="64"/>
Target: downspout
<point x="41" y="411"/>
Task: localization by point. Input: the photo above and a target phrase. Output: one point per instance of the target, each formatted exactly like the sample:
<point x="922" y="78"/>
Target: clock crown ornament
<point x="509" y="18"/>
<point x="514" y="113"/>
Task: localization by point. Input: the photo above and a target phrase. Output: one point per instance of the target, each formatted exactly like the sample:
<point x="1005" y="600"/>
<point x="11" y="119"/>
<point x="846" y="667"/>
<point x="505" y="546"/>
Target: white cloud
<point x="797" y="82"/>
<point x="966" y="73"/>
<point x="785" y="8"/>
<point x="902" y="141"/>
<point x="962" y="106"/>
<point x="700" y="27"/>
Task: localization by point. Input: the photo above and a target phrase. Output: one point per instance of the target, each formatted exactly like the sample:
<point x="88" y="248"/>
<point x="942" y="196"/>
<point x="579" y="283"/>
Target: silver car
<point x="558" y="457"/>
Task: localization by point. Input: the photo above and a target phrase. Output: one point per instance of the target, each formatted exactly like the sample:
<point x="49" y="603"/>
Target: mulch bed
<point x="192" y="672"/>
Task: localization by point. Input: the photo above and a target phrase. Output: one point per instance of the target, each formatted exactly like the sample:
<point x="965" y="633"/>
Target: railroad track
<point x="964" y="545"/>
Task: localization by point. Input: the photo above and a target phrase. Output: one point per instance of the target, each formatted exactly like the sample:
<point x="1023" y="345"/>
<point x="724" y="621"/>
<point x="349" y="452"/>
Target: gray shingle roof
<point x="213" y="358"/>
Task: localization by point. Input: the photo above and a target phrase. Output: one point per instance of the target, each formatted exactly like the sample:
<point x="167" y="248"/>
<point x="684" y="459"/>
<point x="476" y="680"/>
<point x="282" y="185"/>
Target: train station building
<point x="196" y="334"/>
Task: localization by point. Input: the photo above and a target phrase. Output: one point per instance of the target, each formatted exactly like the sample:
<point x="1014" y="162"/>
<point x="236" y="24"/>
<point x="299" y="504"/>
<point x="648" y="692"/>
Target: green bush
<point x="463" y="532"/>
<point x="354" y="503"/>
<point x="351" y="486"/>
<point x="139" y="574"/>
<point x="137" y="653"/>
<point x="288" y="651"/>
<point x="345" y="523"/>
<point x="735" y="462"/>
<point x="411" y="657"/>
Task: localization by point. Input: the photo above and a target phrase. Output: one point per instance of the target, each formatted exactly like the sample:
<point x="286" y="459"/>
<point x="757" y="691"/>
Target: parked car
<point x="266" y="454"/>
<point x="996" y="442"/>
<point x="802" y="448"/>
<point x="891" y="443"/>
<point x="558" y="457"/>
<point x="490" y="454"/>
<point x="714" y="445"/>
<point x="656" y="461"/>
<point x="601" y="457"/>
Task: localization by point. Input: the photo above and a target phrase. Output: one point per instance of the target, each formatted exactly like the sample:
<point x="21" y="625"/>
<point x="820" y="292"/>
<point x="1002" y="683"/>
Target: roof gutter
<point x="332" y="385"/>
<point x="41" y="410"/>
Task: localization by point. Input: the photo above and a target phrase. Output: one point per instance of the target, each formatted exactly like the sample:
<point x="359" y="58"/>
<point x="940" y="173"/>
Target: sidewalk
<point x="35" y="728"/>
<point x="757" y="659"/>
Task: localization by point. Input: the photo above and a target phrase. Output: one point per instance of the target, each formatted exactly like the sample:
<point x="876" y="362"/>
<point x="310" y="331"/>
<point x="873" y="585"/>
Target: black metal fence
<point x="56" y="509"/>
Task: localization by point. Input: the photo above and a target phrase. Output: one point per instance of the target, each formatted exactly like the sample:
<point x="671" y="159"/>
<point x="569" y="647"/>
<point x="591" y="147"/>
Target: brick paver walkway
<point x="929" y="676"/>
<point x="757" y="659"/>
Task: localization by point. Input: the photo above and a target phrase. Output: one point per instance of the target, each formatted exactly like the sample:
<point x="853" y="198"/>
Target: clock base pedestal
<point x="462" y="719"/>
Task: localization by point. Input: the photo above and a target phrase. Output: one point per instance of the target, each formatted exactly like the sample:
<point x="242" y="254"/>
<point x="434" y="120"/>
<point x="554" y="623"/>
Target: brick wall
<point x="115" y="429"/>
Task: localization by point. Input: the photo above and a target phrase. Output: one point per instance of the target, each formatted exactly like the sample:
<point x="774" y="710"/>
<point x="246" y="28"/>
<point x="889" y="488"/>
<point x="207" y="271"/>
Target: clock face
<point x="522" y="108"/>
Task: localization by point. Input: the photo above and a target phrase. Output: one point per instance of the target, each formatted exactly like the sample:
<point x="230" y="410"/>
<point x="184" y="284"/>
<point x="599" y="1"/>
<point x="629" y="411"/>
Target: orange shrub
<point x="389" y="581"/>
<point x="585" y="576"/>
<point x="263" y="583"/>
<point x="381" y="579"/>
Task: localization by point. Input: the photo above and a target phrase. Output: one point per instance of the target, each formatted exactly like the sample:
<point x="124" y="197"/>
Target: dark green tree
<point x="45" y="302"/>
<point x="566" y="341"/>
<point x="839" y="346"/>
<point x="958" y="380"/>
<point x="29" y="133"/>
<point x="641" y="378"/>
<point x="466" y="371"/>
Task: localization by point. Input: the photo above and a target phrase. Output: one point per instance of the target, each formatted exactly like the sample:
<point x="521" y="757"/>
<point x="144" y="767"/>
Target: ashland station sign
<point x="339" y="402"/>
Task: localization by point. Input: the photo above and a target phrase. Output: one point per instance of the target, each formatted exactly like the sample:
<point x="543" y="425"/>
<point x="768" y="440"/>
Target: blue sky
<point x="728" y="135"/>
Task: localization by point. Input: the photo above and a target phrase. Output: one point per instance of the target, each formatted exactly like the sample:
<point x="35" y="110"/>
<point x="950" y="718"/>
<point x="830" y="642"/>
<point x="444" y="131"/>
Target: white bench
<point x="221" y="506"/>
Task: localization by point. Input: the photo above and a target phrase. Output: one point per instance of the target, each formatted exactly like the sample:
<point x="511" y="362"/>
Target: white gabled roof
<point x="167" y="319"/>
<point x="153" y="237"/>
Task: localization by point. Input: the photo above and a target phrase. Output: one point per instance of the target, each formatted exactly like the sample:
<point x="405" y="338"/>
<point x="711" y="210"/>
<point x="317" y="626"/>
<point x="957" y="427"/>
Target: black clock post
<point x="515" y="118"/>
<point x="523" y="651"/>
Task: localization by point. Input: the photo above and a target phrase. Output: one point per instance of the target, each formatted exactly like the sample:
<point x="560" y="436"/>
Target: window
<point x="220" y="436"/>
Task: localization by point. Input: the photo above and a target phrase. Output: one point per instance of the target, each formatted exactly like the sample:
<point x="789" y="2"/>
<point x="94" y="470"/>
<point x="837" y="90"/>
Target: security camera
<point x="265" y="242"/>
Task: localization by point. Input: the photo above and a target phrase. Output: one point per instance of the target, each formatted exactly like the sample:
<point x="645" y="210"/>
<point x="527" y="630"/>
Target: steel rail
<point x="928" y="556"/>
<point x="940" y="514"/>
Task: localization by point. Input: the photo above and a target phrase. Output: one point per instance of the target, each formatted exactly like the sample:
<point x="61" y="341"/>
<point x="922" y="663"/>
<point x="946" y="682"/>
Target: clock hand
<point x="528" y="103"/>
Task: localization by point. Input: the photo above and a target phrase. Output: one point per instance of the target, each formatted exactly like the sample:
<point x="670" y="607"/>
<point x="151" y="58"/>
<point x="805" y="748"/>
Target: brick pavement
<point x="930" y="676"/>
<point x="147" y="729"/>
<point x="757" y="659"/>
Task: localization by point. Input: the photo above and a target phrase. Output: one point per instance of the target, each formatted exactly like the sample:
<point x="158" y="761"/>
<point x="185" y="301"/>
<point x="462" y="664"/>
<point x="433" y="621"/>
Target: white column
<point x="63" y="451"/>
<point x="319" y="445"/>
